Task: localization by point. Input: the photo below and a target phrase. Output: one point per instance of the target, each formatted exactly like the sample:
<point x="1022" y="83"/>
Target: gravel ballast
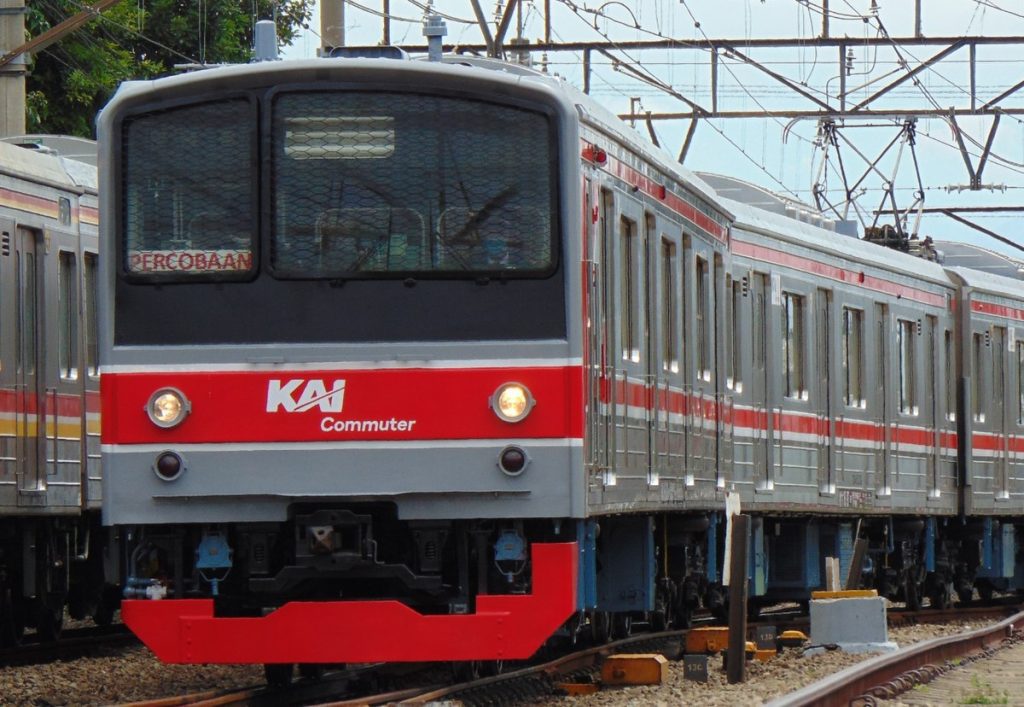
<point x="133" y="674"/>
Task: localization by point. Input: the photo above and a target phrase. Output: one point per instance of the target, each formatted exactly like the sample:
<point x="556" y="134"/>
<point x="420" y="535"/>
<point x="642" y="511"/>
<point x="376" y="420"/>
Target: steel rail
<point x="858" y="680"/>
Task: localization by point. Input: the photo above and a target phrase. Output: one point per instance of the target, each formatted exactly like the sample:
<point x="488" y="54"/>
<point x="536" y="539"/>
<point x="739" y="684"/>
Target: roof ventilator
<point x="434" y="29"/>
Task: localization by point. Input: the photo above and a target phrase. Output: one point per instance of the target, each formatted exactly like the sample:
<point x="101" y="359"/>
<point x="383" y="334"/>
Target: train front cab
<point x="343" y="394"/>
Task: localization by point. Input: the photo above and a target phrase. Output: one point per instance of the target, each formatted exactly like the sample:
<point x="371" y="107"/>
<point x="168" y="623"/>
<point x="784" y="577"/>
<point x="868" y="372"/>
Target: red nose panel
<point x="504" y="626"/>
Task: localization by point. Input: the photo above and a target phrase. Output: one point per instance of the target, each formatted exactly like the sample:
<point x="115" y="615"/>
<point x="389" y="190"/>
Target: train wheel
<point x="49" y="620"/>
<point x="964" y="592"/>
<point x="683" y="618"/>
<point x="467" y="670"/>
<point x="622" y="625"/>
<point x="12" y="622"/>
<point x="311" y="671"/>
<point x="985" y="591"/>
<point x="940" y="596"/>
<point x="279" y="674"/>
<point x="495" y="667"/>
<point x="662" y="618"/>
<point x="600" y="627"/>
<point x="110" y="602"/>
<point x="912" y="594"/>
<point x="574" y="628"/>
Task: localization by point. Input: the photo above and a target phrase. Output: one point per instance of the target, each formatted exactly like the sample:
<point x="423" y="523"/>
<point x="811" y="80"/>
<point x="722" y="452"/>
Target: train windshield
<point x="189" y="193"/>
<point x="369" y="184"/>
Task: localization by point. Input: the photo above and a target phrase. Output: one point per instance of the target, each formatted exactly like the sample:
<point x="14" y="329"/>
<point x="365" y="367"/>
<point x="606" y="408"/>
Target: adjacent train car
<point x="51" y="540"/>
<point x="410" y="360"/>
<point x="990" y="423"/>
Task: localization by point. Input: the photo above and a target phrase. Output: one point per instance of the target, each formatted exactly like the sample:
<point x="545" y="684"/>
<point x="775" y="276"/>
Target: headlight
<point x="167" y="407"/>
<point x="512" y="402"/>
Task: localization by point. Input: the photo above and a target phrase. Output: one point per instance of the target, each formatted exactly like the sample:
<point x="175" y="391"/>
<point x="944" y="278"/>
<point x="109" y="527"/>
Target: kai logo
<point x="300" y="395"/>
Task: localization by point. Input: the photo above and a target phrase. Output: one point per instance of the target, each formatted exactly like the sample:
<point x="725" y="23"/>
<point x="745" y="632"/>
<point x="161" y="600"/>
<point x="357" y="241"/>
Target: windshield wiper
<point x="484" y="212"/>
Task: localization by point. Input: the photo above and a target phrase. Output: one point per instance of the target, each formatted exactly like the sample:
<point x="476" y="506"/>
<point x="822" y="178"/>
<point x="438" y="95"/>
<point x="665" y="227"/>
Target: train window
<point x="189" y="203"/>
<point x="977" y="379"/>
<point x="669" y="307"/>
<point x="89" y="312"/>
<point x="853" y="357"/>
<point x="793" y="344"/>
<point x="67" y="315"/>
<point x="950" y="375"/>
<point x="374" y="185"/>
<point x="907" y="366"/>
<point x="999" y="389"/>
<point x="739" y="291"/>
<point x="703" y="285"/>
<point x="760" y="315"/>
<point x="730" y="343"/>
<point x="629" y="283"/>
<point x="27" y="296"/>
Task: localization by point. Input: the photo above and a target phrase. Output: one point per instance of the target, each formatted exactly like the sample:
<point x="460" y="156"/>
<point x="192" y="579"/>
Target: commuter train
<point x="434" y="360"/>
<point x="52" y="544"/>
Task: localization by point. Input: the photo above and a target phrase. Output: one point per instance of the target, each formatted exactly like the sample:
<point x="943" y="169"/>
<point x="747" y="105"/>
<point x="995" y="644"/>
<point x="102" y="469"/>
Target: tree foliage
<point x="72" y="79"/>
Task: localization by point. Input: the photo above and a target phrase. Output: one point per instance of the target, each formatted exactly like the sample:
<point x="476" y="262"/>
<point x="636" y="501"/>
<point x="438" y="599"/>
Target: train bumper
<point x="503" y="627"/>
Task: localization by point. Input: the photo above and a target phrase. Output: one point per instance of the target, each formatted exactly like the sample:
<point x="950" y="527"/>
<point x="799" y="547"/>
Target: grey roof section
<point x="67" y="146"/>
<point x="989" y="283"/>
<point x="965" y="255"/>
<point x="784" y="228"/>
<point x="45" y="167"/>
<point x="767" y="200"/>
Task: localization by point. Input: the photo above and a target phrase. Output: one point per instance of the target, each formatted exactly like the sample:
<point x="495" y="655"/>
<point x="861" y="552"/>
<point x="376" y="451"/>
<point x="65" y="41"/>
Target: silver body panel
<point x="49" y="408"/>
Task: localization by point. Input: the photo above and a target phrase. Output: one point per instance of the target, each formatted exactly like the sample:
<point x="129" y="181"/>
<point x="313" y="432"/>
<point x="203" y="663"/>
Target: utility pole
<point x="12" y="74"/>
<point x="332" y="25"/>
<point x="15" y="51"/>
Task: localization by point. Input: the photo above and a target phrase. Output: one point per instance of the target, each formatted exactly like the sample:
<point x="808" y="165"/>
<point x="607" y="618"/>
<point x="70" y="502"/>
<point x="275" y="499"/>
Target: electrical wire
<point x="989" y="3"/>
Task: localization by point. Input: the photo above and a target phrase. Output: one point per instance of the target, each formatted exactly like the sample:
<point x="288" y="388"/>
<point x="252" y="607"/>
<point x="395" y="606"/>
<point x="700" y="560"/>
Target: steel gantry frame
<point x="836" y="112"/>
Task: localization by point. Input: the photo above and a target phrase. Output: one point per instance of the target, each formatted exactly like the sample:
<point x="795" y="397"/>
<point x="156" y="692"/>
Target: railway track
<point x="375" y="684"/>
<point x="891" y="674"/>
<point x="73" y="643"/>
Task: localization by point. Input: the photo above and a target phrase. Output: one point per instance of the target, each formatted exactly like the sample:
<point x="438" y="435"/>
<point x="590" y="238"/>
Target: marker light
<point x="513" y="460"/>
<point x="168" y="466"/>
<point x="167" y="407"/>
<point x="512" y="402"/>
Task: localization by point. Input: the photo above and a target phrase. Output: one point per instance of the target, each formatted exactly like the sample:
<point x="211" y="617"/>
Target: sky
<point x="774" y="153"/>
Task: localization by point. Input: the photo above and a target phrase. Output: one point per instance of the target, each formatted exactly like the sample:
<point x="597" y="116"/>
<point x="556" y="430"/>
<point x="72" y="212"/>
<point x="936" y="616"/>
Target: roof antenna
<point x="434" y="29"/>
<point x="265" y="41"/>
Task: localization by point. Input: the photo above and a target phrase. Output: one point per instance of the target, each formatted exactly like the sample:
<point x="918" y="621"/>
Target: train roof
<point x="45" y="167"/>
<point x="495" y="70"/>
<point x="790" y="230"/>
<point x="981" y="259"/>
<point x="988" y="282"/>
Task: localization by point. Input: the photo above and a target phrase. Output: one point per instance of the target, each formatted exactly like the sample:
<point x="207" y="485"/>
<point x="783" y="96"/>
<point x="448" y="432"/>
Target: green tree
<point x="74" y="78"/>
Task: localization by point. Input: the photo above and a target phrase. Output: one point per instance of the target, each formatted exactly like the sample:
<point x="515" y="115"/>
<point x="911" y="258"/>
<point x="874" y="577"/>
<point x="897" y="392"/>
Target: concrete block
<point x="855" y="624"/>
<point x="578" y="689"/>
<point x="711" y="639"/>
<point x="635" y="669"/>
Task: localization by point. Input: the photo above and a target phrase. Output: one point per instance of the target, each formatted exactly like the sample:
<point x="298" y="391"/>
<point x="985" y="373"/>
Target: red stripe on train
<point x="304" y="406"/>
<point x="67" y="404"/>
<point x="845" y="275"/>
<point x="637" y="395"/>
<point x="997" y="310"/>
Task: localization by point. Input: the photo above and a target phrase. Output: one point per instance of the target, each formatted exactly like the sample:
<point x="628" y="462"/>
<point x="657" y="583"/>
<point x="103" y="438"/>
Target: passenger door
<point x="30" y="417"/>
<point x="763" y="422"/>
<point x="825" y="413"/>
<point x="1000" y="423"/>
<point x="884" y="411"/>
